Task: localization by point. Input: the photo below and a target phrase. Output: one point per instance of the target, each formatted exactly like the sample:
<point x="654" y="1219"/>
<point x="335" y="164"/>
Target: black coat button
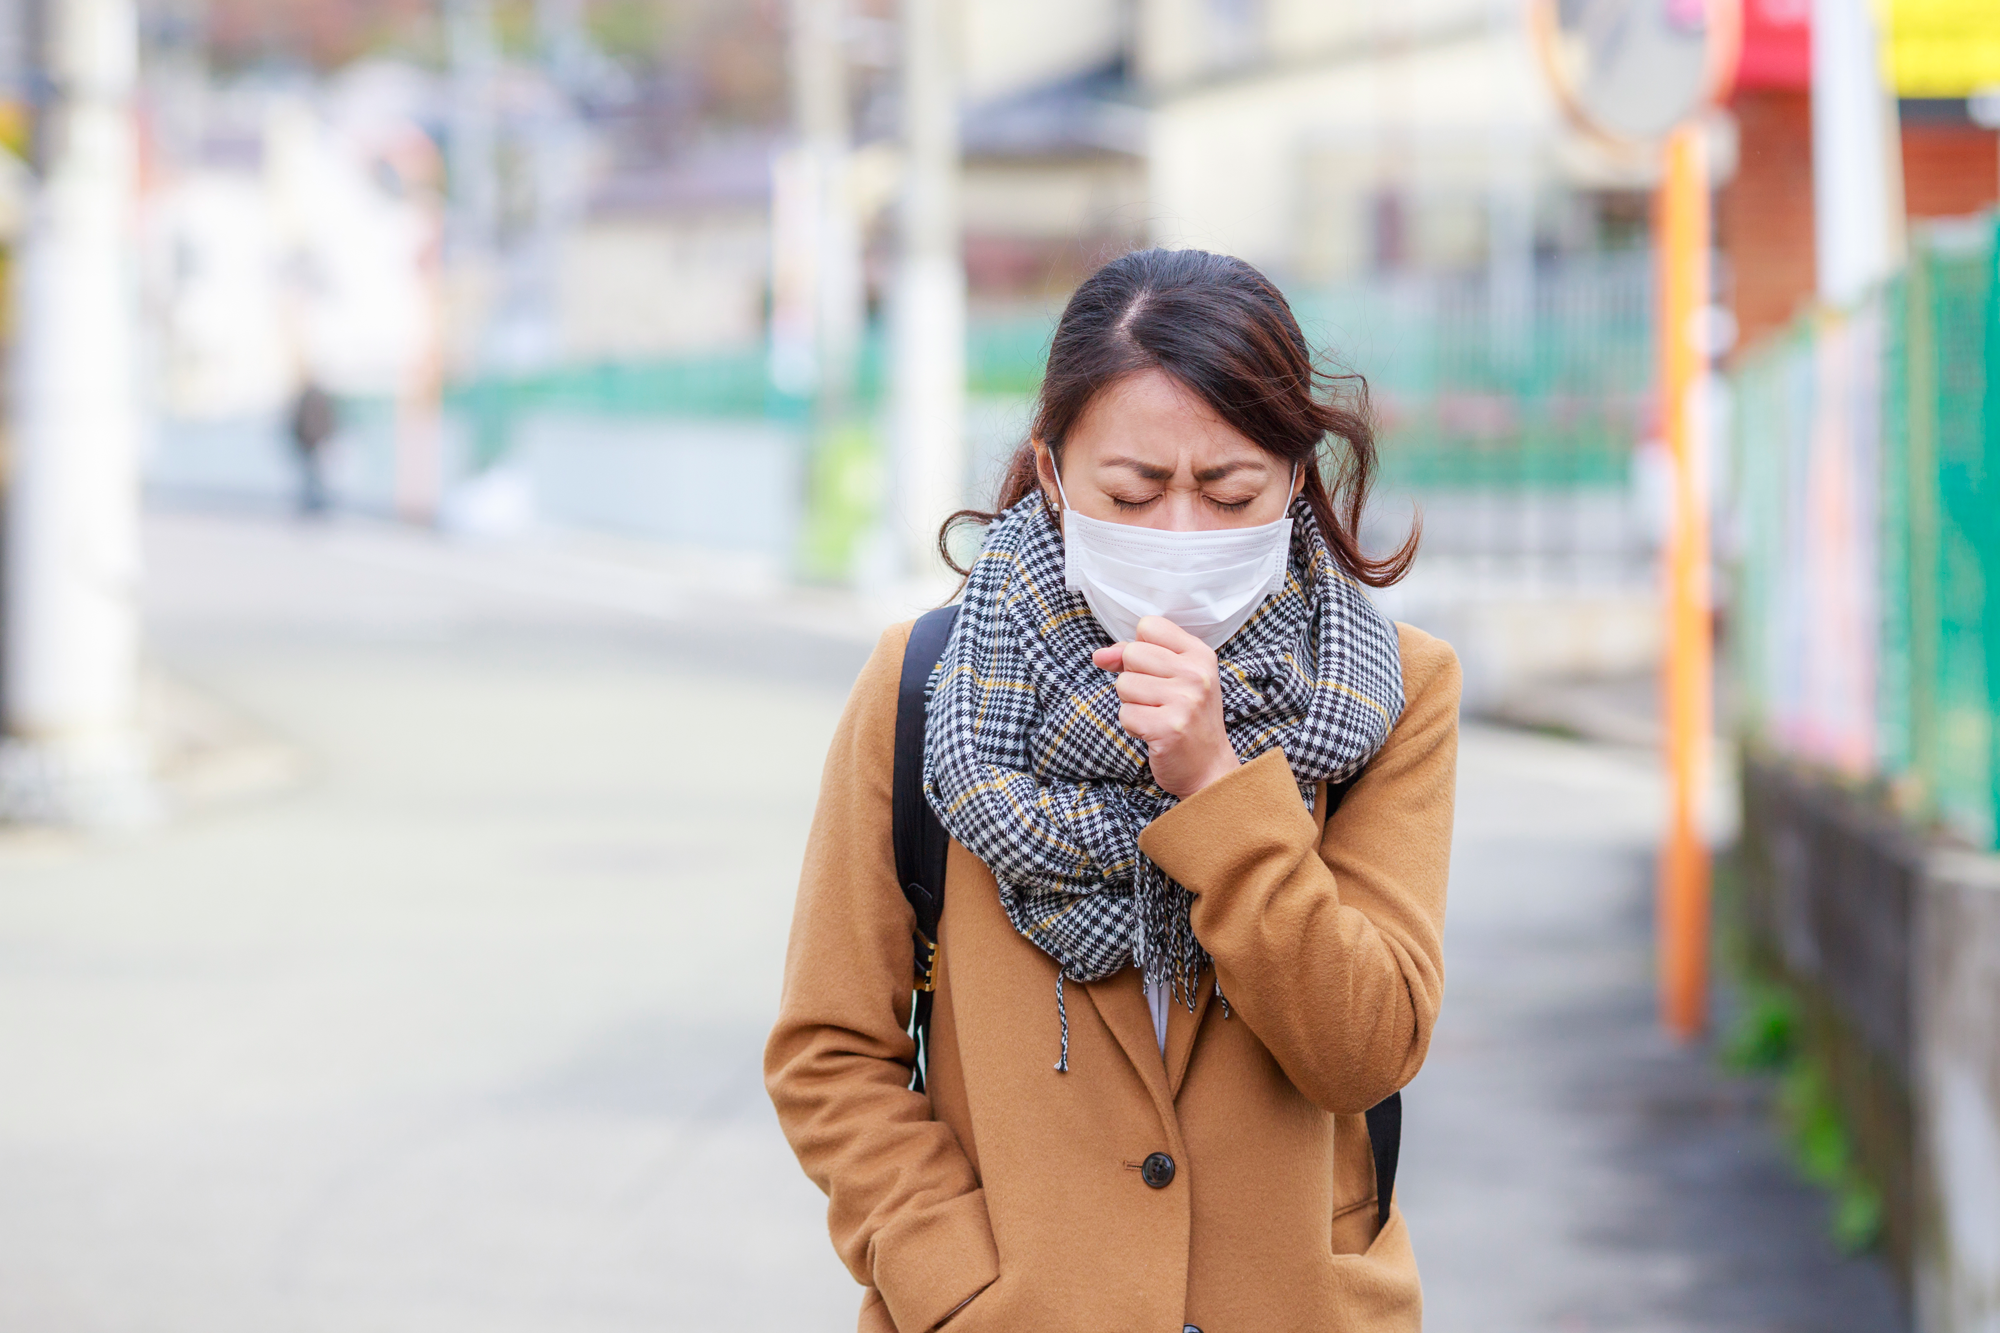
<point x="1157" y="1170"/>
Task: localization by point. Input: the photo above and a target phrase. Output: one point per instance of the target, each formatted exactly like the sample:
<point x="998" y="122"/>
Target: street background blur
<point x="459" y="452"/>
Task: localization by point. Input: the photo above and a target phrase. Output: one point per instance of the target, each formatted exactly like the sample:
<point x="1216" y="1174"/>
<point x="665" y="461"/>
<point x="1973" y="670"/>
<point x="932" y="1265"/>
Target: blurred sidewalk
<point x="455" y="1021"/>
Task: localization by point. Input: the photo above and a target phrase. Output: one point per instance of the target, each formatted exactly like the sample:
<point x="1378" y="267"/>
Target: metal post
<point x="930" y="290"/>
<point x="72" y="644"/>
<point x="1681" y="232"/>
<point x="463" y="233"/>
<point x="1926" y="553"/>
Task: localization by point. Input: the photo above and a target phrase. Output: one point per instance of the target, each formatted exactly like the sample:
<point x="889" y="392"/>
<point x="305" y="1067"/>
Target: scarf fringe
<point x="1062" y="1015"/>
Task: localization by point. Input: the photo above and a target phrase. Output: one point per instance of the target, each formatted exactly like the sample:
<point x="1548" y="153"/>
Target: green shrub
<point x="1765" y="1032"/>
<point x="1767" y="1035"/>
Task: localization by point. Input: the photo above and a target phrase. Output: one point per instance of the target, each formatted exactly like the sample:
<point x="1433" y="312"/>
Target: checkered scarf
<point x="1026" y="765"/>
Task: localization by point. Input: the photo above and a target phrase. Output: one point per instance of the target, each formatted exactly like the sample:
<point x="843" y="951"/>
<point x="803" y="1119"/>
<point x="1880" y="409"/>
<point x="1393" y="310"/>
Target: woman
<point x="1170" y="981"/>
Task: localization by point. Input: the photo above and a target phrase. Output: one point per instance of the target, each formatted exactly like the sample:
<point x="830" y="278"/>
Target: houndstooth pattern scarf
<point x="1027" y="767"/>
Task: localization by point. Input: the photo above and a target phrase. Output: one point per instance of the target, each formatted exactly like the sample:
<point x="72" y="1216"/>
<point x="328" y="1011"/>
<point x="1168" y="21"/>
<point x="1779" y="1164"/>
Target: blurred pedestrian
<point x="314" y="420"/>
<point x="1198" y="795"/>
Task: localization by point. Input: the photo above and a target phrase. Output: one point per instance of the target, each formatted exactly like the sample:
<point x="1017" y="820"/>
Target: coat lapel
<point x="1121" y="1003"/>
<point x="1182" y="1027"/>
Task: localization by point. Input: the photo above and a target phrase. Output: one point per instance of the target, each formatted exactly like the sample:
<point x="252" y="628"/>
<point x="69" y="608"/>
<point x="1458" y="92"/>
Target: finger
<point x="1147" y="723"/>
<point x="1134" y="688"/>
<point x="1110" y="659"/>
<point x="1160" y="630"/>
<point x="1155" y="660"/>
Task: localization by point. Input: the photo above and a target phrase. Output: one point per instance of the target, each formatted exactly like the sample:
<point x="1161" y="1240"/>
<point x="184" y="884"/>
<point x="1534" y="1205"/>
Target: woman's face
<point x="1149" y="452"/>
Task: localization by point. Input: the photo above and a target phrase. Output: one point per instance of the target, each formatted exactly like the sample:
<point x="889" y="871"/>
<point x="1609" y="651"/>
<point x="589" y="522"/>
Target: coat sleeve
<point x="903" y="1203"/>
<point x="1330" y="945"/>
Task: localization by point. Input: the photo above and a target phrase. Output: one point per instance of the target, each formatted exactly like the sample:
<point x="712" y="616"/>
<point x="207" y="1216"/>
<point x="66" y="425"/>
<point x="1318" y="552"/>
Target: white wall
<point x="1231" y="163"/>
<point x="1183" y="42"/>
<point x="1015" y="45"/>
<point x="1054" y="201"/>
<point x="633" y="288"/>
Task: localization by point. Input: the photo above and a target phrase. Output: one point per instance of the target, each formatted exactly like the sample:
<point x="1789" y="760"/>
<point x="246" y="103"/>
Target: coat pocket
<point x="1378" y="1288"/>
<point x="1354" y="1228"/>
<point x="980" y="1313"/>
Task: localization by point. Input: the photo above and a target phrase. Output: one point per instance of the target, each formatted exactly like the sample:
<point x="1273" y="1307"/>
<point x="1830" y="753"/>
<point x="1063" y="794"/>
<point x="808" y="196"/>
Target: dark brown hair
<point x="1222" y="329"/>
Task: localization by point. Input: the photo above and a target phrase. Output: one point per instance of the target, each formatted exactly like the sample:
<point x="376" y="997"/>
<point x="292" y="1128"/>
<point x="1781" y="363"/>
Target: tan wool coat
<point x="1011" y="1196"/>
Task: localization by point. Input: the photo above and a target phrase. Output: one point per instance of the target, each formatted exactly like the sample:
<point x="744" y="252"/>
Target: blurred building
<point x="591" y="260"/>
<point x="1055" y="176"/>
<point x="1950" y="149"/>
<point x="1328" y="140"/>
<point x="668" y="260"/>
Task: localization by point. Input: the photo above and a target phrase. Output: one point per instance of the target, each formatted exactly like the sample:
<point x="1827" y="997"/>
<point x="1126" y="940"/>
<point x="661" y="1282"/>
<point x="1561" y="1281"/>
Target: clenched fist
<point x="1171" y="698"/>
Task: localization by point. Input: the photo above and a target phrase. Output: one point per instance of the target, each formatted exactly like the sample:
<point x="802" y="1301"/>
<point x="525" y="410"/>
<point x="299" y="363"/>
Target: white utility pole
<point x="1857" y="154"/>
<point x="824" y="183"/>
<point x="557" y="157"/>
<point x="930" y="289"/>
<point x="1510" y="190"/>
<point x="473" y="166"/>
<point x="1510" y="254"/>
<point x="74" y="753"/>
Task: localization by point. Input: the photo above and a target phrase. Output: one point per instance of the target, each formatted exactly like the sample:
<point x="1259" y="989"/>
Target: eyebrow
<point x="1154" y="472"/>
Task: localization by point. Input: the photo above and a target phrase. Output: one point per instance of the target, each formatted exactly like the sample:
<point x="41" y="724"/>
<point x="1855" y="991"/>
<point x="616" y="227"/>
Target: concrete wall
<point x="724" y="485"/>
<point x="1894" y="942"/>
<point x="1831" y="886"/>
<point x="1957" y="1072"/>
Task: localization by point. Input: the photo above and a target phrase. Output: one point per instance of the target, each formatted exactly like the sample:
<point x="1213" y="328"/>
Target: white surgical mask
<point x="1208" y="583"/>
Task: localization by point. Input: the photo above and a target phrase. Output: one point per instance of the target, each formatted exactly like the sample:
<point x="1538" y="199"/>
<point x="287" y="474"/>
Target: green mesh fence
<point x="1954" y="541"/>
<point x="1474" y="391"/>
<point x="1867" y="522"/>
<point x="1003" y="356"/>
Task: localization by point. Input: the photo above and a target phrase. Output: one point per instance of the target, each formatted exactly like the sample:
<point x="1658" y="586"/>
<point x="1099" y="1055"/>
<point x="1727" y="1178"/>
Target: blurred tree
<point x="700" y="62"/>
<point x="322" y="33"/>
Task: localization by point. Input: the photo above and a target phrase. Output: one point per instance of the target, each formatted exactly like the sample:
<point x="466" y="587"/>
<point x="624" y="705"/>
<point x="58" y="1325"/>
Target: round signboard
<point x="1631" y="70"/>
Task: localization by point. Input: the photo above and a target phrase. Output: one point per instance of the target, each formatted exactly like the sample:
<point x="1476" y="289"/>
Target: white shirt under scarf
<point x="1157" y="999"/>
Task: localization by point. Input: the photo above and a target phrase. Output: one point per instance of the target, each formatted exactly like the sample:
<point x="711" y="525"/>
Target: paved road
<point x="461" y="1030"/>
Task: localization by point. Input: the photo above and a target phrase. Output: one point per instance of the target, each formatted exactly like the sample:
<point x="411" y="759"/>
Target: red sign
<point x="1777" y="45"/>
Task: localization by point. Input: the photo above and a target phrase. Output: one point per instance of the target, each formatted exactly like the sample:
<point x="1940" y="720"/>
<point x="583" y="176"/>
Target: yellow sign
<point x="1943" y="48"/>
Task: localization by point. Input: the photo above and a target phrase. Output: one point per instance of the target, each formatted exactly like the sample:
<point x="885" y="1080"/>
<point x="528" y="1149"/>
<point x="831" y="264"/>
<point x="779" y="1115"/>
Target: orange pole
<point x="1681" y="233"/>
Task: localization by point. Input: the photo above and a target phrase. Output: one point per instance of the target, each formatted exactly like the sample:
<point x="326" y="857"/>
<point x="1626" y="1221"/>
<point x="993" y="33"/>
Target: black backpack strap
<point x="920" y="840"/>
<point x="1385" y="1118"/>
